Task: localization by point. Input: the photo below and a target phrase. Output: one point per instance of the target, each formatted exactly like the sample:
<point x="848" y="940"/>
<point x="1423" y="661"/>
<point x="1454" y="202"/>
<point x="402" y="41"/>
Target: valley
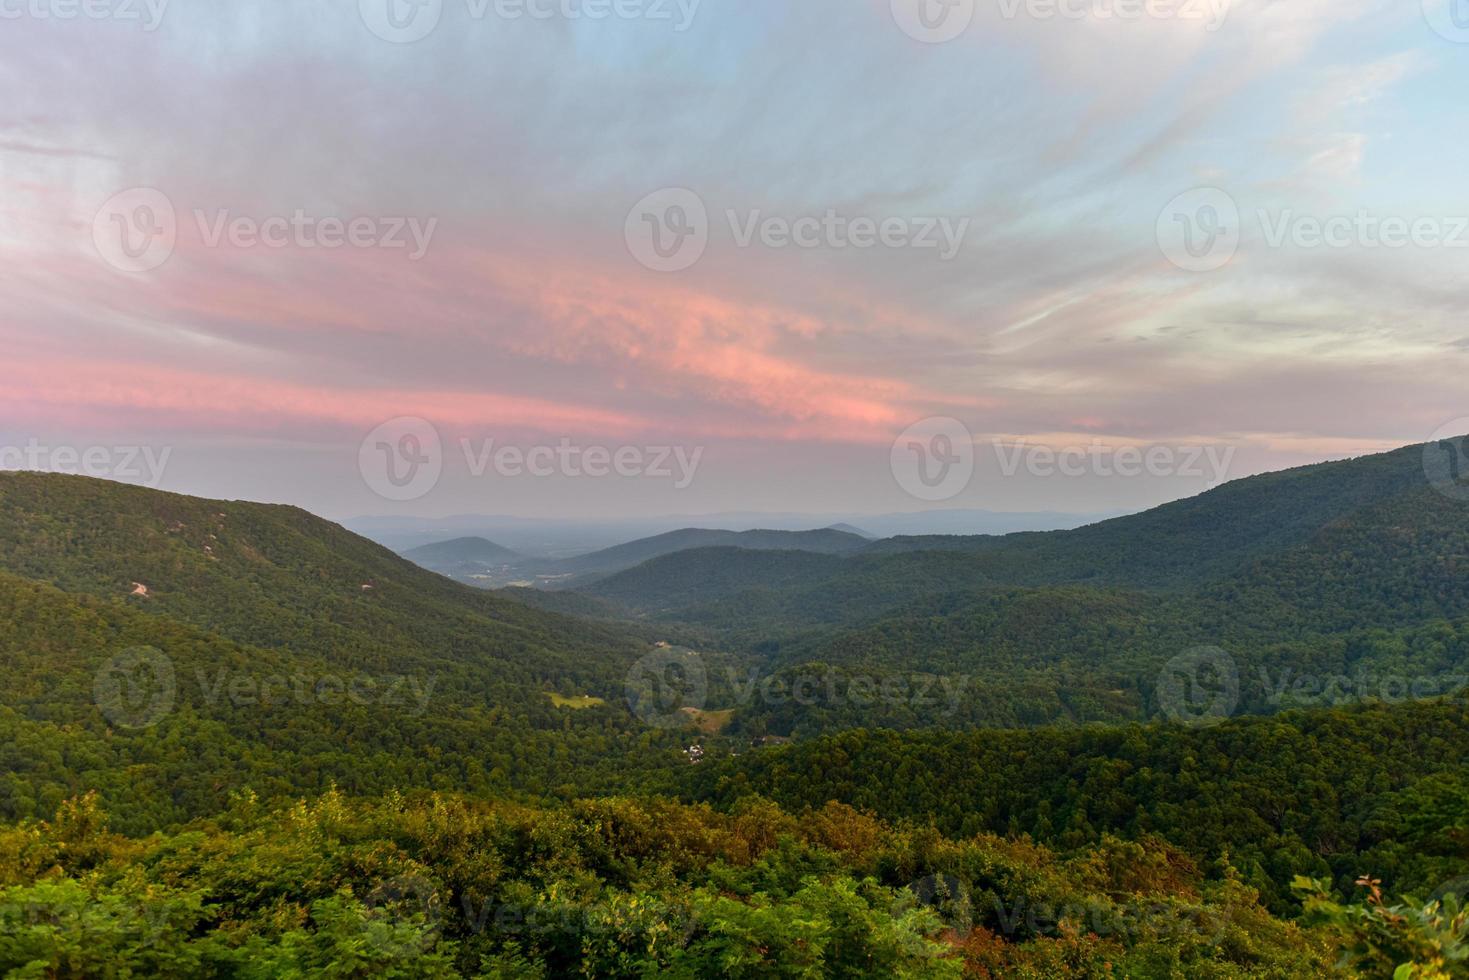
<point x="1230" y="708"/>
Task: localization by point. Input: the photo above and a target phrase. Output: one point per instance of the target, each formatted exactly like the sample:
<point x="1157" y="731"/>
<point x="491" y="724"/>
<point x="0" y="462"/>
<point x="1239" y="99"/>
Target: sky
<point x="611" y="258"/>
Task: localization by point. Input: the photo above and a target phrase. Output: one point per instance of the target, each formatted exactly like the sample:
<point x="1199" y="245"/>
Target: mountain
<point x="709" y="573"/>
<point x="1342" y="570"/>
<point x="555" y="539"/>
<point x="1174" y="547"/>
<point x="461" y="550"/>
<point x="473" y="561"/>
<point x="476" y="561"/>
<point x="849" y="529"/>
<point x="285" y="654"/>
<point x="827" y="541"/>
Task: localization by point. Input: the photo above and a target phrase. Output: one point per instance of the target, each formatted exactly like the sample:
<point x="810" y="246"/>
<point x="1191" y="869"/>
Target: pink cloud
<point x="236" y="340"/>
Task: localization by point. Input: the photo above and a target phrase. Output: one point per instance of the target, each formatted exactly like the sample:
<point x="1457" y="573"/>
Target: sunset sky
<point x="529" y="152"/>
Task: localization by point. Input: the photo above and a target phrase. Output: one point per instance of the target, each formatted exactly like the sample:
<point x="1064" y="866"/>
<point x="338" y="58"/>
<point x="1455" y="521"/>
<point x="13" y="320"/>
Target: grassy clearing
<point x="577" y="703"/>
<point x="709" y="722"/>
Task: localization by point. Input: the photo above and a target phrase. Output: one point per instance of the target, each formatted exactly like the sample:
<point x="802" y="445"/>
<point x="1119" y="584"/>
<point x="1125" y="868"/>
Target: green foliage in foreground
<point x="1411" y="940"/>
<point x="439" y="886"/>
<point x="1326" y="793"/>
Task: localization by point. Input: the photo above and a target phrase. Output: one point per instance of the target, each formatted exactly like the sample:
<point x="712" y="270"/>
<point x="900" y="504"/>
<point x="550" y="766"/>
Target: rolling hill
<point x="292" y="654"/>
<point x="1323" y="571"/>
<point x="462" y="550"/>
<point x="473" y="561"/>
<point x="827" y="541"/>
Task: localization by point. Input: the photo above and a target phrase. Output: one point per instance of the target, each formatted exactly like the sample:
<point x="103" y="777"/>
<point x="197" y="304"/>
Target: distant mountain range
<point x="477" y="561"/>
<point x="462" y="550"/>
<point x="557" y="539"/>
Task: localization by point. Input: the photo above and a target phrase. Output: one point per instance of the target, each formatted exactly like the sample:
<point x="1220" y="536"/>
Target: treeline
<point x="1331" y="794"/>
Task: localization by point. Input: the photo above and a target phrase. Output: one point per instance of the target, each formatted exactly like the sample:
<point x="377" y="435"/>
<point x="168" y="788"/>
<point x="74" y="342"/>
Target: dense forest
<point x="1329" y="793"/>
<point x="237" y="740"/>
<point x="439" y="885"/>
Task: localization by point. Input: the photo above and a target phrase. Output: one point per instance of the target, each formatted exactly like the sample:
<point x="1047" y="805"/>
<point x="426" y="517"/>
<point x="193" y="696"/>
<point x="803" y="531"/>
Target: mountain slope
<point x="473" y="561"/>
<point x="299" y="654"/>
<point x="827" y="541"/>
<point x="461" y="550"/>
<point x="702" y="574"/>
<point x="1197" y="539"/>
<point x="261" y="574"/>
<point x="1178" y="547"/>
<point x="1332" y="571"/>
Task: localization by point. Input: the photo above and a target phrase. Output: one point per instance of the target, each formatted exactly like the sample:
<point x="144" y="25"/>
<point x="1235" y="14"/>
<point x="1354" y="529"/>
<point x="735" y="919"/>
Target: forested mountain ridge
<point x="472" y="561"/>
<point x="265" y="574"/>
<point x="1177" y="546"/>
<point x="477" y="562"/>
<point x="286" y="654"/>
<point x="1199" y="538"/>
<point x="824" y="541"/>
<point x="461" y="550"/>
<point x="1329" y="571"/>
